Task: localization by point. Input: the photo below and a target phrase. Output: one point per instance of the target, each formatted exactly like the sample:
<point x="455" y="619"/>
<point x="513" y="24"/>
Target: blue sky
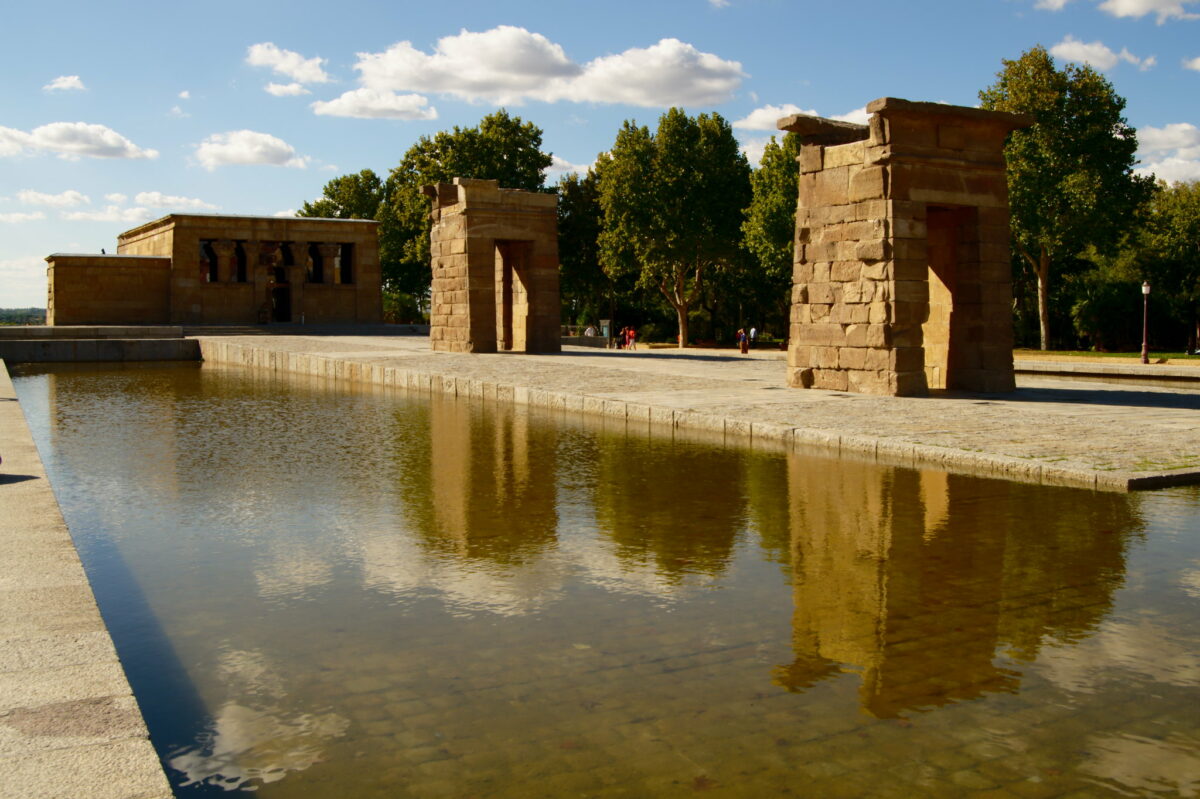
<point x="112" y="114"/>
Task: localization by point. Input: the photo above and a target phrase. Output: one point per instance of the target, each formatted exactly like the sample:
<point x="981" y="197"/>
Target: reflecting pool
<point x="321" y="590"/>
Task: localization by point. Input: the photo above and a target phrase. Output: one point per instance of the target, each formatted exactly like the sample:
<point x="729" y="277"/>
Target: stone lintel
<point x="819" y="130"/>
<point x="893" y="106"/>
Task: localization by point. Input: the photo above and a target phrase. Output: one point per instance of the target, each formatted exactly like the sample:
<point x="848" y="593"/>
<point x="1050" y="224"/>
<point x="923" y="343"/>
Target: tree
<point x="770" y="222"/>
<point x="672" y="204"/>
<point x="1070" y="176"/>
<point x="355" y="196"/>
<point x="501" y="148"/>
<point x="586" y="291"/>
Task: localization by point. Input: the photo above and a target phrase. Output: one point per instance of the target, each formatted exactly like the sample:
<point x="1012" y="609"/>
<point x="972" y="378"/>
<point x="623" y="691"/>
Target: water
<point x="329" y="591"/>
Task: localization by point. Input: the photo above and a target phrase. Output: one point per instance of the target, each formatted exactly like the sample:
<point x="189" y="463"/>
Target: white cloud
<point x="764" y="118"/>
<point x="1051" y="5"/>
<point x="668" y="73"/>
<point x="65" y="83"/>
<point x="156" y="199"/>
<point x="67" y="199"/>
<point x="1097" y="54"/>
<point x="178" y="112"/>
<point x="754" y="148"/>
<point x="284" y="214"/>
<point x="508" y="65"/>
<point x="185" y="95"/>
<point x="288" y="63"/>
<point x="18" y="217"/>
<point x="247" y="147"/>
<point x="719" y="3"/>
<point x="110" y="213"/>
<point x="1171" y="153"/>
<point x="71" y="140"/>
<point x="376" y="104"/>
<point x="13" y="141"/>
<point x="858" y="116"/>
<point x="1162" y="9"/>
<point x="24" y="281"/>
<point x="1192" y="63"/>
<point x="561" y="166"/>
<point x="286" y="89"/>
<point x="115" y="197"/>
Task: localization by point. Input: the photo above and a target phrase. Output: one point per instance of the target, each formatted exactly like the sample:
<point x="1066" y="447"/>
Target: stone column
<point x="329" y="253"/>
<point x="226" y="250"/>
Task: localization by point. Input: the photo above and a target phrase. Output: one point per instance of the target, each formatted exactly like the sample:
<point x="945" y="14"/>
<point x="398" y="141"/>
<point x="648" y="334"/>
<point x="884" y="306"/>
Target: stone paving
<point x="1051" y="430"/>
<point x="69" y="725"/>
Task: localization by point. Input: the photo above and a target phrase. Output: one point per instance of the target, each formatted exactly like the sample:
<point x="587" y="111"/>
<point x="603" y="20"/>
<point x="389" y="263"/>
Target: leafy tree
<point x="587" y="293"/>
<point x="770" y="222"/>
<point x="1070" y="177"/>
<point x="355" y="196"/>
<point x="672" y="205"/>
<point x="1164" y="248"/>
<point x="502" y="148"/>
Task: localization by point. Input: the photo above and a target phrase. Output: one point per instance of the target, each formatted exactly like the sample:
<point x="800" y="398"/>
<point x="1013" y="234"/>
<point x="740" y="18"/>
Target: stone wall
<point x="244" y="269"/>
<point x="107" y="289"/>
<point x="902" y="278"/>
<point x="495" y="268"/>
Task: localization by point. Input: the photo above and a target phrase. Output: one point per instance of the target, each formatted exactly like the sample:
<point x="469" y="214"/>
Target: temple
<point x="223" y="269"/>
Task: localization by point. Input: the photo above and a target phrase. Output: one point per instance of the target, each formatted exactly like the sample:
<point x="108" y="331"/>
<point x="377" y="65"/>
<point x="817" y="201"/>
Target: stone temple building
<point x="902" y="280"/>
<point x="223" y="269"/>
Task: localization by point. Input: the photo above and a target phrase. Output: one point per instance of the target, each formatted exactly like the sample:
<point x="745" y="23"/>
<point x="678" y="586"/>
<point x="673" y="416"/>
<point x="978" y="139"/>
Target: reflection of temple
<point x="492" y="485"/>
<point x="918" y="581"/>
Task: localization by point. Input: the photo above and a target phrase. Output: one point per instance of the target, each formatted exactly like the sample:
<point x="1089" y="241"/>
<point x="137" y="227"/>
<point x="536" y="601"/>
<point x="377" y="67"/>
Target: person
<point x="590" y="331"/>
<point x="631" y="338"/>
<point x="743" y="342"/>
<point x="753" y="335"/>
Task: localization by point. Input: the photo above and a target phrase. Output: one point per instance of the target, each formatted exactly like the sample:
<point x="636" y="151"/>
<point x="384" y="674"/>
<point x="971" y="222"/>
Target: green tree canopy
<point x="355" y="196"/>
<point x="586" y="291"/>
<point x="502" y="147"/>
<point x="672" y="204"/>
<point x="1070" y="176"/>
<point x="770" y="222"/>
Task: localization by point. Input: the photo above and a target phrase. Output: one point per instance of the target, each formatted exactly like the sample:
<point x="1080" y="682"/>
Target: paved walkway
<point x="1108" y="436"/>
<point x="69" y="725"/>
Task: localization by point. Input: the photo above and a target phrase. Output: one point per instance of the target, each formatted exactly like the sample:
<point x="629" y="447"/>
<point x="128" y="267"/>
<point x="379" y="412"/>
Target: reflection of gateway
<point x="909" y="580"/>
<point x="280" y="295"/>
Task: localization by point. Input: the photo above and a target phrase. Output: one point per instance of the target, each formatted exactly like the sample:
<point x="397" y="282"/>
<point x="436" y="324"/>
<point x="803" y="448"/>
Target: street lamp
<point x="1145" y="317"/>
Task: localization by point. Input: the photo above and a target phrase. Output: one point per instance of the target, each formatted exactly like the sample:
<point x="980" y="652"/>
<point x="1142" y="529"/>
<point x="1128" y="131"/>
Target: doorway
<point x="512" y="295"/>
<point x="952" y="251"/>
<point x="281" y="296"/>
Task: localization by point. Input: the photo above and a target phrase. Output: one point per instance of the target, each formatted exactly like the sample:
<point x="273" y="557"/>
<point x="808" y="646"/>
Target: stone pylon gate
<point x="902" y="280"/>
<point x="495" y="268"/>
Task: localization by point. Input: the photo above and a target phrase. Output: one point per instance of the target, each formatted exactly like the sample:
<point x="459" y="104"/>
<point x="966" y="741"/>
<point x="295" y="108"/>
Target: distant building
<point x="221" y="269"/>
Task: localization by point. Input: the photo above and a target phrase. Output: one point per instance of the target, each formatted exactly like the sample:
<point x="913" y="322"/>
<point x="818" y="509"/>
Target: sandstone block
<point x="868" y="184"/>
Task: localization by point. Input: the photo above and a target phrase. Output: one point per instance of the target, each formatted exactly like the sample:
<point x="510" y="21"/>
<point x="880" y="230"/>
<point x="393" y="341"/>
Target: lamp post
<point x="1145" y="318"/>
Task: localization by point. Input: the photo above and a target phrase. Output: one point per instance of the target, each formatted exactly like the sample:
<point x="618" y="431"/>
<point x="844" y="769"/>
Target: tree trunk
<point x="1044" y="298"/>
<point x="682" y="314"/>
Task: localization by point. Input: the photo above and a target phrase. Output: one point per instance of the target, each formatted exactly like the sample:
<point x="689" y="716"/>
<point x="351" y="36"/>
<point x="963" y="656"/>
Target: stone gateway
<point x="495" y="268"/>
<point x="902" y="279"/>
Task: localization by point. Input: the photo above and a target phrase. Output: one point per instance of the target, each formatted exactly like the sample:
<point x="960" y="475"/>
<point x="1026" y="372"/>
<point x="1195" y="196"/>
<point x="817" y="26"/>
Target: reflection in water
<point x="374" y="594"/>
<point x="254" y="738"/>
<point x="917" y="580"/>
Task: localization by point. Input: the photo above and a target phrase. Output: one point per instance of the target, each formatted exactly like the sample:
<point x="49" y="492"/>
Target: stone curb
<point x="732" y="430"/>
<point x="69" y="724"/>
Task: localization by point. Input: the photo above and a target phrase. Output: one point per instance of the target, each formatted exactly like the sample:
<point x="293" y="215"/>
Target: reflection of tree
<point x="915" y="579"/>
<point x="679" y="507"/>
<point x="480" y="483"/>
